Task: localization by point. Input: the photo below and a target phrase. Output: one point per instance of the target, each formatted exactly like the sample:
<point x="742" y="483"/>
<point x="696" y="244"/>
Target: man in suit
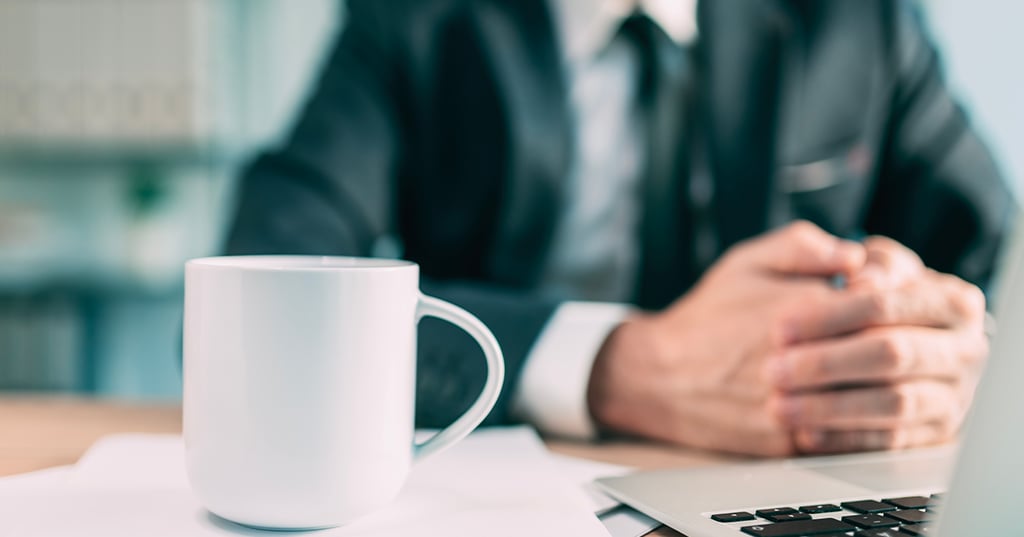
<point x="610" y="186"/>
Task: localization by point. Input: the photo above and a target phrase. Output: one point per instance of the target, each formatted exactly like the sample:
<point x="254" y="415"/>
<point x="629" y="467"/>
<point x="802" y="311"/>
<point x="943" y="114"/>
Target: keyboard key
<point x="911" y="516"/>
<point x="788" y="517"/>
<point x="919" y="529"/>
<point x="765" y="513"/>
<point x="820" y="526"/>
<point x="868" y="506"/>
<point x="910" y="502"/>
<point x="884" y="532"/>
<point x="870" y="521"/>
<point x="820" y="508"/>
<point x="739" y="516"/>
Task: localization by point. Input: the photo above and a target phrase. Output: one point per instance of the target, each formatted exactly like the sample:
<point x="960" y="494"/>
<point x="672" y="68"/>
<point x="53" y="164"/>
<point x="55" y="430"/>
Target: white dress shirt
<point x="594" y="252"/>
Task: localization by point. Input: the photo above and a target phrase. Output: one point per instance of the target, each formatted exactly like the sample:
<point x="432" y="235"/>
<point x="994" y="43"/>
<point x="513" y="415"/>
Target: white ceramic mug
<point x="299" y="385"/>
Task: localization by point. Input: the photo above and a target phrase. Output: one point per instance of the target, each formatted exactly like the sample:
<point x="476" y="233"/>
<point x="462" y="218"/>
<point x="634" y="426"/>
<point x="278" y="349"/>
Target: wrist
<point x="613" y="387"/>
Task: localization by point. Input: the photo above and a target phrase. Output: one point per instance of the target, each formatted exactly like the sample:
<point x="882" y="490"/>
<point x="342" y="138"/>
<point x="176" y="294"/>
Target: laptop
<point x="976" y="490"/>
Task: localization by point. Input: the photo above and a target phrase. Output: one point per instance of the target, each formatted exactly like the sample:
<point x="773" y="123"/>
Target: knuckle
<point x="803" y="233"/>
<point x="895" y="439"/>
<point x="906" y="403"/>
<point x="900" y="438"/>
<point x="973" y="348"/>
<point x="952" y="421"/>
<point x="968" y="300"/>
<point x="944" y="426"/>
<point x="979" y="349"/>
<point x="802" y="228"/>
<point x="896" y="249"/>
<point x="884" y="246"/>
<point x="814" y="440"/>
<point x="893" y="354"/>
<point x="898" y="403"/>
<point x="881" y="439"/>
<point x="880" y="307"/>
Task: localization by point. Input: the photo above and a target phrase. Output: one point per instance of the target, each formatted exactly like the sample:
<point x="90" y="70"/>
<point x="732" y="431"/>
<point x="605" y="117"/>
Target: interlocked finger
<point x="818" y="441"/>
<point x="876" y="407"/>
<point x="879" y="355"/>
<point x="936" y="301"/>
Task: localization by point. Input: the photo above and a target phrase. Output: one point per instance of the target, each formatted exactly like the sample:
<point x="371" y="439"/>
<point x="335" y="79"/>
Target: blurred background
<point x="123" y="124"/>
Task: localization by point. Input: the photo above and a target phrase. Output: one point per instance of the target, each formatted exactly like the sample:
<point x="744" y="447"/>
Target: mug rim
<point x="303" y="263"/>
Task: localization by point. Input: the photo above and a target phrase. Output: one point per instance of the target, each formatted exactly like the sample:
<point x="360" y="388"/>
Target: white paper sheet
<point x="40" y="479"/>
<point x="497" y="482"/>
<point x="15" y="488"/>
<point x="618" y="519"/>
<point x="583" y="472"/>
<point x="624" y="521"/>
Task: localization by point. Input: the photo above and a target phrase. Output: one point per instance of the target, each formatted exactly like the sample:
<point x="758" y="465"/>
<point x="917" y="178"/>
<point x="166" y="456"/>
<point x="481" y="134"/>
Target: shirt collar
<point x="588" y="26"/>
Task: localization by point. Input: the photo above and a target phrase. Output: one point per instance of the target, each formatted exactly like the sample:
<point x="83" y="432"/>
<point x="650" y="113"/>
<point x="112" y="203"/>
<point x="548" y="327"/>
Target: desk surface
<point x="39" y="432"/>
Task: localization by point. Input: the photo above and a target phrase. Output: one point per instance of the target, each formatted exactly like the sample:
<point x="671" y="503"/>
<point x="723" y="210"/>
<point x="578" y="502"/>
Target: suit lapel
<point x="519" y="39"/>
<point x="739" y="62"/>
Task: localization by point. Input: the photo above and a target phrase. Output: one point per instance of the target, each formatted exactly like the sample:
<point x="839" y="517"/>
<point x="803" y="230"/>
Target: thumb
<point x="802" y="248"/>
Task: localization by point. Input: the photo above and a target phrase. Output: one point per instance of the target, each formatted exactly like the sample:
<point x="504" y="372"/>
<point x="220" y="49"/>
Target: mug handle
<point x="433" y="307"/>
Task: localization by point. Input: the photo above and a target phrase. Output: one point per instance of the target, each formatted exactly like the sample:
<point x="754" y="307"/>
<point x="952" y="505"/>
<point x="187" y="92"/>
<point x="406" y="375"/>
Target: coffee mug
<point x="299" y="385"/>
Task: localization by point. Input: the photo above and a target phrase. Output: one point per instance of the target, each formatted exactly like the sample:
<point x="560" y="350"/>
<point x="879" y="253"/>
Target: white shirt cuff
<point x="552" y="392"/>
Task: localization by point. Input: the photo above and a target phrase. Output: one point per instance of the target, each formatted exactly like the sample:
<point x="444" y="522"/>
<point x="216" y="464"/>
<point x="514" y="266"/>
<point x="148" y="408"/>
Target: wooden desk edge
<point x="40" y="432"/>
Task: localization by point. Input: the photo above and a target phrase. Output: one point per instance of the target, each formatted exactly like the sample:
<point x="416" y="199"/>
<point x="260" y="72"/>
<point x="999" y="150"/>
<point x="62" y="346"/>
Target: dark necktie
<point x="662" y="103"/>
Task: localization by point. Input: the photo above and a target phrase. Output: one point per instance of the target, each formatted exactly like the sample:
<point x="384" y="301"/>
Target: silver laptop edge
<point x="987" y="491"/>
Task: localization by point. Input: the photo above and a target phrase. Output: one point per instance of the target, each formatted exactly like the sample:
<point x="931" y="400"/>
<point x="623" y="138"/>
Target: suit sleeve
<point x="331" y="190"/>
<point x="939" y="191"/>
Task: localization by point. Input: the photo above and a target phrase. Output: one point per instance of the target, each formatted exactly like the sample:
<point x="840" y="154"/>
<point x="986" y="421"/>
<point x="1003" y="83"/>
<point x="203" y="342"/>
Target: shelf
<point x="60" y="156"/>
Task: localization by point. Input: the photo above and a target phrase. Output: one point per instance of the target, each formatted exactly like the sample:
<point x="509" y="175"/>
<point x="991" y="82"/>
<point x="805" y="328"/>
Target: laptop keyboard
<point x="893" y="517"/>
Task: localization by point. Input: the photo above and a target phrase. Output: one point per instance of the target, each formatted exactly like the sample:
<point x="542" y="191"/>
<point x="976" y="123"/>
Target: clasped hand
<point x="765" y="356"/>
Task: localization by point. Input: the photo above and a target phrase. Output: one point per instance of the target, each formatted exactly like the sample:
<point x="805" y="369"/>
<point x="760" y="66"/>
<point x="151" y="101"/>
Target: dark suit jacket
<point x="444" y="124"/>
